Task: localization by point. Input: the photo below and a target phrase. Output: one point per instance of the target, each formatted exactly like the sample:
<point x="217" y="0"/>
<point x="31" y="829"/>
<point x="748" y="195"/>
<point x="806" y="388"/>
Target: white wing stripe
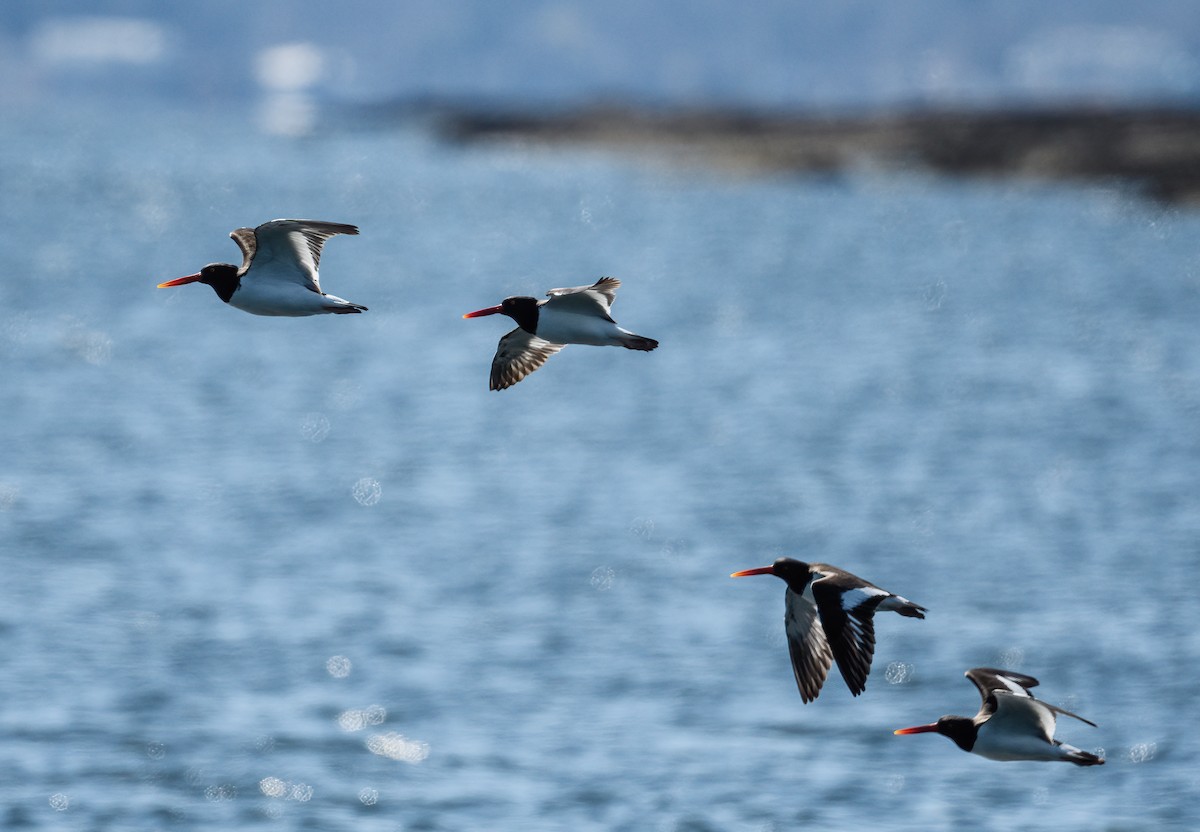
<point x="853" y="598"/>
<point x="1013" y="687"/>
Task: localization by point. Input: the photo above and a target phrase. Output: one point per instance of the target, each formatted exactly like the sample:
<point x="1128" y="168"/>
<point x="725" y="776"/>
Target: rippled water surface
<point x="311" y="574"/>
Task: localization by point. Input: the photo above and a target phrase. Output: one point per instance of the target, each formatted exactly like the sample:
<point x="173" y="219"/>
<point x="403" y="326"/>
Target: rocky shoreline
<point x="1156" y="151"/>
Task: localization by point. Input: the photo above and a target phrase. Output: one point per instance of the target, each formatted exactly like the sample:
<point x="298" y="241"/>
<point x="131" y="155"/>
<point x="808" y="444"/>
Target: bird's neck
<point x="526" y="317"/>
<point x="225" y="282"/>
<point x="963" y="731"/>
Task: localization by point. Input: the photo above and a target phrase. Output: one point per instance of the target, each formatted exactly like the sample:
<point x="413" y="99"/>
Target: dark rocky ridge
<point x="1156" y="150"/>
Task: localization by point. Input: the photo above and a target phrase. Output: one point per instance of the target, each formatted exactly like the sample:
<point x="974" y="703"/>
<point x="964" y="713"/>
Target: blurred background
<point x="311" y="574"/>
<point x="839" y="55"/>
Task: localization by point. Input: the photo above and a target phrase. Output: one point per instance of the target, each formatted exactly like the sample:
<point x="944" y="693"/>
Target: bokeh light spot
<point x="642" y="527"/>
<point x="273" y="787"/>
<point x="602" y="578"/>
<point x="290" y="66"/>
<point x="898" y="673"/>
<point x="314" y="427"/>
<point x="396" y="746"/>
<point x="1143" y="752"/>
<point x="367" y="491"/>
<point x="221" y="794"/>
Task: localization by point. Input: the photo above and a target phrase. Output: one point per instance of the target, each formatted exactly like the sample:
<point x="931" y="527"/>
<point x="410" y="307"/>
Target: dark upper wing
<point x="518" y="355"/>
<point x="598" y="297"/>
<point x="811" y="658"/>
<point x="989" y="680"/>
<point x="293" y="248"/>
<point x="244" y="237"/>
<point x="992" y="682"/>
<point x="847" y="608"/>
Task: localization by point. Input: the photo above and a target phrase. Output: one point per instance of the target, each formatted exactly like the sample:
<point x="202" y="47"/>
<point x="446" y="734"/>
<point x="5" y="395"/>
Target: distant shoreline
<point x="1156" y="150"/>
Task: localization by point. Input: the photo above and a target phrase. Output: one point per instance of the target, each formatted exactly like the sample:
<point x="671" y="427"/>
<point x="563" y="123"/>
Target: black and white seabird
<point x="579" y="315"/>
<point x="1011" y="724"/>
<point x="278" y="275"/>
<point x="829" y="616"/>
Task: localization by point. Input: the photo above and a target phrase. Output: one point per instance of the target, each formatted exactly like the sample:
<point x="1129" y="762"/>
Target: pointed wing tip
<point x="857" y="686"/>
<point x="335" y="227"/>
<point x="1021" y="679"/>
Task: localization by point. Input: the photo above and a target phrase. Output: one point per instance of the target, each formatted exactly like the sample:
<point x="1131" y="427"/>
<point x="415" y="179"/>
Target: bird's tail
<point x="903" y="606"/>
<point x="341" y="306"/>
<point x="1078" y="756"/>
<point x="636" y="342"/>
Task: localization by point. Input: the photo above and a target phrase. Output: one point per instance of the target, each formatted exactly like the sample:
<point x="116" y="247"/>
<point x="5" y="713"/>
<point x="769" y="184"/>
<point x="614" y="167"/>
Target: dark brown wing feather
<point x="807" y="646"/>
<point x="851" y="633"/>
<point x="518" y="355"/>
<point x="246" y="241"/>
<point x="989" y="679"/>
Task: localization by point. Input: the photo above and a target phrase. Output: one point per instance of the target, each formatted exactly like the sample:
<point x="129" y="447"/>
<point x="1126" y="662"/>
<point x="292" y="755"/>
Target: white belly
<point x="1015" y="747"/>
<point x="559" y="327"/>
<point x="281" y="299"/>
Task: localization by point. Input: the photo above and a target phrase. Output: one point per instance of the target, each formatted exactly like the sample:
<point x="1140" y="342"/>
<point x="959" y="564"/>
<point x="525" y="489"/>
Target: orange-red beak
<point x="762" y="570"/>
<point x="918" y="729"/>
<point x="179" y="281"/>
<point x="479" y="313"/>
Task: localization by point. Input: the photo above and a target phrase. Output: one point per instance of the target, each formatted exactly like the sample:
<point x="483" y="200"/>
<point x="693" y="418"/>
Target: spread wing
<point x="995" y="684"/>
<point x="244" y="237"/>
<point x="590" y="300"/>
<point x="989" y="680"/>
<point x="811" y="658"/>
<point x="848" y="615"/>
<point x="1024" y="714"/>
<point x="518" y="355"/>
<point x="289" y="250"/>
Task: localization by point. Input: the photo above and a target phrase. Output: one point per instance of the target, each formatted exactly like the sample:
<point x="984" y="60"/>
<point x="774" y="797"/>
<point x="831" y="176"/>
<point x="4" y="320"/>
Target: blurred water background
<point x="311" y="574"/>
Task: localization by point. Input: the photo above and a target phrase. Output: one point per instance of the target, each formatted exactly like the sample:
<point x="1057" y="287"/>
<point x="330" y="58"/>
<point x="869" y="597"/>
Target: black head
<point x="523" y="310"/>
<point x="963" y="731"/>
<point x="221" y="276"/>
<point x="797" y="573"/>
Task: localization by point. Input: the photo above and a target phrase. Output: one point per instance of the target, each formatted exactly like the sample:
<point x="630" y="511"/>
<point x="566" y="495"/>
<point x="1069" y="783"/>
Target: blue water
<point x="311" y="574"/>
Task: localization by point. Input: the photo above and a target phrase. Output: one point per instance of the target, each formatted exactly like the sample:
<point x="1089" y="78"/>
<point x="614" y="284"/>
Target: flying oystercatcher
<point x="828" y="616"/>
<point x="579" y="315"/>
<point x="1011" y="724"/>
<point x="278" y="275"/>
